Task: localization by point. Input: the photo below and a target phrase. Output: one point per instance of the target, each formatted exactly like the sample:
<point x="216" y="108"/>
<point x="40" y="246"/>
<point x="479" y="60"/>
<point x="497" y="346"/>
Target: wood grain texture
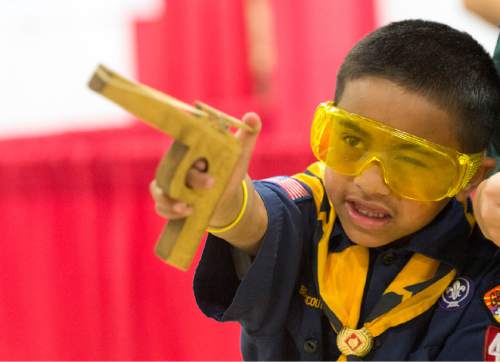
<point x="198" y="134"/>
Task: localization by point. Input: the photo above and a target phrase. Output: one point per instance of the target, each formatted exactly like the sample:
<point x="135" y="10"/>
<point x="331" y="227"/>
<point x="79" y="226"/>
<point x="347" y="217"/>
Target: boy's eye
<point x="352" y="141"/>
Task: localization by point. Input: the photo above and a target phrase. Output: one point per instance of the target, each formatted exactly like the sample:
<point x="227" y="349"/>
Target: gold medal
<point x="357" y="342"/>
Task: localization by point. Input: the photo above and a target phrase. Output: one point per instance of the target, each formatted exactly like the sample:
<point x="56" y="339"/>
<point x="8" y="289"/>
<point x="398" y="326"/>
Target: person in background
<point x="489" y="10"/>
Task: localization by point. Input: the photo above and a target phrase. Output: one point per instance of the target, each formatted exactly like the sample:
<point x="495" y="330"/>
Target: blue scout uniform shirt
<point x="277" y="301"/>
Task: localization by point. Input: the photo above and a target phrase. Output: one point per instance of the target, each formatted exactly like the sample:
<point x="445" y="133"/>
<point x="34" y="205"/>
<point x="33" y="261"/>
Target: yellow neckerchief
<point x="342" y="278"/>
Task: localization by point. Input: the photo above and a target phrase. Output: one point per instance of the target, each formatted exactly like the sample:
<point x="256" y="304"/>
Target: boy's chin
<point x="370" y="243"/>
<point x="367" y="240"/>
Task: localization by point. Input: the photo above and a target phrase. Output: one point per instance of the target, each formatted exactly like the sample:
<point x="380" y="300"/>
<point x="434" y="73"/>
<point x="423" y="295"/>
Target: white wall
<point x="49" y="49"/>
<point x="450" y="12"/>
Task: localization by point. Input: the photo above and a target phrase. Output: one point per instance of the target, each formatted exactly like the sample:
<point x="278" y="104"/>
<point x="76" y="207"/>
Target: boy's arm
<point x="250" y="229"/>
<point x="486" y="205"/>
<point x="245" y="234"/>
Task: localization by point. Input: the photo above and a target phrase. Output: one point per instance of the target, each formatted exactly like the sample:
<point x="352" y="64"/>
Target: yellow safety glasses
<point x="413" y="167"/>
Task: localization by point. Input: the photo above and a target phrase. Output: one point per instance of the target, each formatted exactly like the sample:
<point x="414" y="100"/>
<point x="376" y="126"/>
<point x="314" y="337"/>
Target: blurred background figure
<point x="489" y="10"/>
<point x="78" y="278"/>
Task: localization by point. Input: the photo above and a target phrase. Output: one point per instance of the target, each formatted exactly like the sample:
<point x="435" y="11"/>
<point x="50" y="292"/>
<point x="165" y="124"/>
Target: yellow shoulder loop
<point x="468" y="214"/>
<point x="314" y="182"/>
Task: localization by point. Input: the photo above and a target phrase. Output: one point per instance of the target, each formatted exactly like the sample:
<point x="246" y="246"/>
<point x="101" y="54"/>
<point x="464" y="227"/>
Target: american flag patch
<point x="294" y="189"/>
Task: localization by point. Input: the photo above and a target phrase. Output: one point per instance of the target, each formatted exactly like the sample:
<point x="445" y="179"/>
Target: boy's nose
<point x="371" y="181"/>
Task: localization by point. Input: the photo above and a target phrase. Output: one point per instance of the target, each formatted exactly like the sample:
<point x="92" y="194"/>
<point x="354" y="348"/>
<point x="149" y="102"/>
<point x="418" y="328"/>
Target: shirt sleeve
<point x="267" y="286"/>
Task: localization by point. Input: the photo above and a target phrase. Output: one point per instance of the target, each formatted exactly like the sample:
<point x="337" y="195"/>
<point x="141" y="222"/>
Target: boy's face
<point x="371" y="214"/>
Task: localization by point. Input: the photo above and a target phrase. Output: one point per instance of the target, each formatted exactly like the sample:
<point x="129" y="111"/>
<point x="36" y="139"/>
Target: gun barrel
<point x="155" y="108"/>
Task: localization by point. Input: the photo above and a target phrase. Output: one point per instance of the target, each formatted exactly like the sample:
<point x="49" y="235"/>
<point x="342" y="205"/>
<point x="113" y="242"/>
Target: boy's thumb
<point x="246" y="137"/>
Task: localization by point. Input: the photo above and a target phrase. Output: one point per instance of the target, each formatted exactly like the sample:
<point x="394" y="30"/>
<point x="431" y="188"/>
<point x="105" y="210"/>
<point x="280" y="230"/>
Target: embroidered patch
<point x="491" y="349"/>
<point x="492" y="302"/>
<point x="294" y="189"/>
<point x="457" y="295"/>
<point x="310" y="300"/>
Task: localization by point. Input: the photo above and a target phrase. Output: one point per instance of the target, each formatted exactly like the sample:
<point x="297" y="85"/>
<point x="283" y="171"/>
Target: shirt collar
<point x="446" y="237"/>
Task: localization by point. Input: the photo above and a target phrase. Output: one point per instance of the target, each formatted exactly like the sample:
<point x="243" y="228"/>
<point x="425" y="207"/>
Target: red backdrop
<point x="78" y="278"/>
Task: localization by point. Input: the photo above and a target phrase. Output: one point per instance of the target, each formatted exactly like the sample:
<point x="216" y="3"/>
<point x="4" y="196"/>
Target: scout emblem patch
<point x="492" y="302"/>
<point x="457" y="295"/>
<point x="491" y="350"/>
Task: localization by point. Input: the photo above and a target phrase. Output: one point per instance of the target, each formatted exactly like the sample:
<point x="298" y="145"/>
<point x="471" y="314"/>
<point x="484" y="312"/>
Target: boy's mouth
<point x="368" y="215"/>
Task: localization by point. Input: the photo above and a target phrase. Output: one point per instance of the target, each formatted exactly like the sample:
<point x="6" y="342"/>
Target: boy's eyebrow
<point x="414" y="147"/>
<point x="404" y="146"/>
<point x="355" y="127"/>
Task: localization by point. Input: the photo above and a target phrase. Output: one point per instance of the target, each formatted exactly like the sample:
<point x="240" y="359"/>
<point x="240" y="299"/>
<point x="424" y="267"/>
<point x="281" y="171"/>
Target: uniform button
<point x="310" y="345"/>
<point x="389" y="258"/>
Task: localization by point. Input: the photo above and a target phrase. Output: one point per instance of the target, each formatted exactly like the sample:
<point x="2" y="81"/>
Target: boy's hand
<point x="170" y="208"/>
<point x="197" y="178"/>
<point x="486" y="205"/>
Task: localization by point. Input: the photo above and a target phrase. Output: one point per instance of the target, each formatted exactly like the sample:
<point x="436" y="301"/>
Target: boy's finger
<point x="155" y="190"/>
<point x="252" y="120"/>
<point x="171" y="208"/>
<point x="200" y="165"/>
<point x="198" y="179"/>
<point x="247" y="138"/>
<point x="172" y="212"/>
<point x="164" y="203"/>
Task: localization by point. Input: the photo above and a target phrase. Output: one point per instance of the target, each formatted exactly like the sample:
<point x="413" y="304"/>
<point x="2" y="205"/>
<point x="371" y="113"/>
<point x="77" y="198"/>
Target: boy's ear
<point x="487" y="164"/>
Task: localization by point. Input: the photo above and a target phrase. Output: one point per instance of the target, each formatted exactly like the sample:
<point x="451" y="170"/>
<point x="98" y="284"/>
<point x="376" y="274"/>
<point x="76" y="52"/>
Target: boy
<point x="371" y="253"/>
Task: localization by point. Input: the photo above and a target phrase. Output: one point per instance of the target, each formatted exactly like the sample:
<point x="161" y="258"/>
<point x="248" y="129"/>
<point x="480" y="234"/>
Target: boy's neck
<point x="397" y="244"/>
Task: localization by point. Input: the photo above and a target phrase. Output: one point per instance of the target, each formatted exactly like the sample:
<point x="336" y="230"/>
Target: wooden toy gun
<point x="199" y="133"/>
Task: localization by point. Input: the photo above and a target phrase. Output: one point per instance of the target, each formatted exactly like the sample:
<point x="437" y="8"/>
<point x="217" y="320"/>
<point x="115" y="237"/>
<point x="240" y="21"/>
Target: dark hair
<point x="446" y="66"/>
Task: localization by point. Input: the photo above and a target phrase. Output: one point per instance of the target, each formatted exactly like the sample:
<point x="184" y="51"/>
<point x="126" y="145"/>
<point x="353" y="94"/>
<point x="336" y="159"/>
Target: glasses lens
<point x="419" y="173"/>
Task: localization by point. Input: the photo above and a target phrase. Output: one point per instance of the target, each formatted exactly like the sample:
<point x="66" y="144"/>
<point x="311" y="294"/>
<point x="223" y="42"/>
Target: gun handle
<point x="172" y="171"/>
<point x="180" y="239"/>
<point x="170" y="177"/>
